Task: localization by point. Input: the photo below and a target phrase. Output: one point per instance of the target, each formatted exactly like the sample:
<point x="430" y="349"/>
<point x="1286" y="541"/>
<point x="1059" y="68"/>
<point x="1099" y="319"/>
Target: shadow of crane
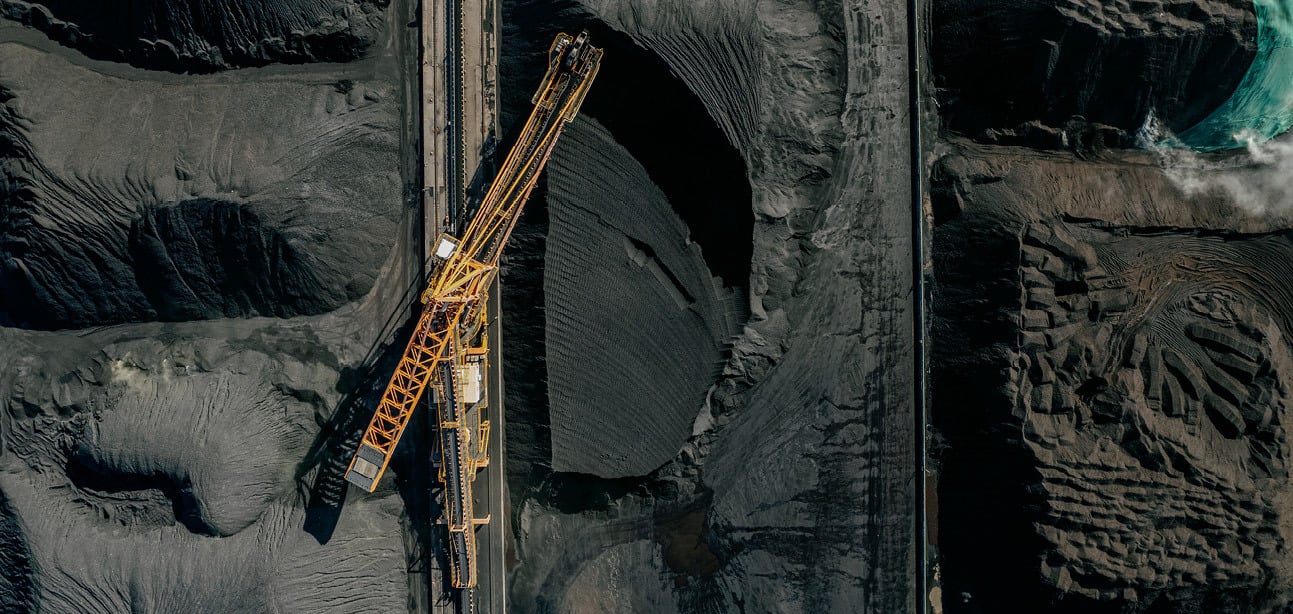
<point x="361" y="386"/>
<point x="325" y="463"/>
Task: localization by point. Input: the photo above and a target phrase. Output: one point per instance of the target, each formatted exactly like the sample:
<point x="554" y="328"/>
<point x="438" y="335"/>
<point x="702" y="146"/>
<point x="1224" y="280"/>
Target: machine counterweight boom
<point x="447" y="349"/>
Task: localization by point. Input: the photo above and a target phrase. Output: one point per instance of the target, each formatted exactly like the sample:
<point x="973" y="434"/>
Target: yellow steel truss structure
<point x="449" y="339"/>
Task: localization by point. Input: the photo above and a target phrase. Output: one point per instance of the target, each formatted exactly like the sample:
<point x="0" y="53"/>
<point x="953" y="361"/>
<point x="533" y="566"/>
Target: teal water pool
<point x="1261" y="107"/>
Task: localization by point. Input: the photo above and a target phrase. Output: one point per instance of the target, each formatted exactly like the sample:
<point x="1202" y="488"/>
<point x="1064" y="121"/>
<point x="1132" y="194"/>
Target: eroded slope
<point x="1115" y="358"/>
<point x="637" y="327"/>
<point x="1057" y="67"/>
<point x="161" y="467"/>
<point x="207" y="35"/>
<point x="137" y="201"/>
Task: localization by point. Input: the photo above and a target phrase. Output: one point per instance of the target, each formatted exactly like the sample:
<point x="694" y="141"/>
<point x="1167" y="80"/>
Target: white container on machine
<point x="471" y="380"/>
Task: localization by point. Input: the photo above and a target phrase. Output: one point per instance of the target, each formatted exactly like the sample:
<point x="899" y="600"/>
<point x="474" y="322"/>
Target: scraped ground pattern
<point x="153" y="466"/>
<point x="637" y="325"/>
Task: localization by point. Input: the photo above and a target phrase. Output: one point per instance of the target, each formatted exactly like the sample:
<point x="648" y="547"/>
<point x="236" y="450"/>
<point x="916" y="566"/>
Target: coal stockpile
<point x="209" y="35"/>
<point x="695" y="480"/>
<point x="189" y="265"/>
<point x="209" y="228"/>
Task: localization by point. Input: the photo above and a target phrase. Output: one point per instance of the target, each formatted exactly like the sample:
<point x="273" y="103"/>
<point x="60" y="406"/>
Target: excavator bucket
<point x="364" y="468"/>
<point x="447" y="350"/>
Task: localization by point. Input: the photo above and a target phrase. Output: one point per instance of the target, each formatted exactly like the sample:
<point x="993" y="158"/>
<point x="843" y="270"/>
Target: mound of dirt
<point x="189" y="206"/>
<point x="207" y="35"/>
<point x="174" y="466"/>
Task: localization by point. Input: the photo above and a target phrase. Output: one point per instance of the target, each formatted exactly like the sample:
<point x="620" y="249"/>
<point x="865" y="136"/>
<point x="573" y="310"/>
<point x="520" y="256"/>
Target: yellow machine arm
<point x="448" y="347"/>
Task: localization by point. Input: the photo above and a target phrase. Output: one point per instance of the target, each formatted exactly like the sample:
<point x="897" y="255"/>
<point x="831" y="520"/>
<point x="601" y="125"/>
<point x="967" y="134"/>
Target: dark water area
<point x="1259" y="108"/>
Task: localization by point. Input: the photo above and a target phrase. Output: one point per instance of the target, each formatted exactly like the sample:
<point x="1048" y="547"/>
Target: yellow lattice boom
<point x="448" y="348"/>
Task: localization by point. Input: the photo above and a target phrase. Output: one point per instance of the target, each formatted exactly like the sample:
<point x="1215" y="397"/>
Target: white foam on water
<point x="1257" y="178"/>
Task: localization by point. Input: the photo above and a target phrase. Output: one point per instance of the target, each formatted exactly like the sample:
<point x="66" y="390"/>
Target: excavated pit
<point x="651" y="112"/>
<point x="637" y="246"/>
<point x="138" y="500"/>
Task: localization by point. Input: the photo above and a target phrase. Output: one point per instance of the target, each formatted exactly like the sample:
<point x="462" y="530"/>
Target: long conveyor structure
<point x="448" y="348"/>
